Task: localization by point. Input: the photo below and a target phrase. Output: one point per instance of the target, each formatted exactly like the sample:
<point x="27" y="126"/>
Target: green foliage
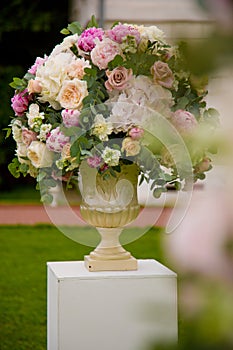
<point x="19" y="15"/>
<point x="24" y="252"/>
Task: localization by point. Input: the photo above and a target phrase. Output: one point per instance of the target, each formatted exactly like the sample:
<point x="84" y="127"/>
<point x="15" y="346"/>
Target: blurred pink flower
<point x="184" y="121"/>
<point x="136" y="133"/>
<point x="198" y="245"/>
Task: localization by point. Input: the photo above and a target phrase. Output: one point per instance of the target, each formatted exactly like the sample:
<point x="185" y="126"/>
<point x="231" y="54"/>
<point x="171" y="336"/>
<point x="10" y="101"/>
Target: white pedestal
<point x="125" y="310"/>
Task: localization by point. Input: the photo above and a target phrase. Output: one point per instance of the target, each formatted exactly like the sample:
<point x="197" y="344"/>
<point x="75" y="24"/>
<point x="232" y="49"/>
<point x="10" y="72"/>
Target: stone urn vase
<point x="109" y="203"/>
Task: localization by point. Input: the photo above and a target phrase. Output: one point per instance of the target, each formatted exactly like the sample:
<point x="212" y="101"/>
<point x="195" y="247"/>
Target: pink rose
<point x="94" y="161"/>
<point x="19" y="102"/>
<point x="39" y="61"/>
<point x="136" y="133"/>
<point x="28" y="136"/>
<point x="121" y="31"/>
<point x="162" y="74"/>
<point x="104" y="52"/>
<point x="34" y="86"/>
<point x="184" y="121"/>
<point x="86" y="41"/>
<point x="70" y="117"/>
<point x="56" y="140"/>
<point x="118" y="78"/>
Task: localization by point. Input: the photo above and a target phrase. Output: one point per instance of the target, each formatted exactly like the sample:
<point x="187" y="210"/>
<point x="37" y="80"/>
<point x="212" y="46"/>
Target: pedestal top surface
<point x="76" y="269"/>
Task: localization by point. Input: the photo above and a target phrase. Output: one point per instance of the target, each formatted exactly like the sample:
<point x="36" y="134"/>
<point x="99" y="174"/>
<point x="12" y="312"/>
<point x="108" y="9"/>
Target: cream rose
<point x="39" y="155"/>
<point x="130" y="146"/>
<point x="162" y="74"/>
<point x="118" y="78"/>
<point x="72" y="93"/>
<point x="21" y="153"/>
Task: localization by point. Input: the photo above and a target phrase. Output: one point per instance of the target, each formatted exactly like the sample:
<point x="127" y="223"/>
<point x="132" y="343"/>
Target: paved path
<point x="63" y="215"/>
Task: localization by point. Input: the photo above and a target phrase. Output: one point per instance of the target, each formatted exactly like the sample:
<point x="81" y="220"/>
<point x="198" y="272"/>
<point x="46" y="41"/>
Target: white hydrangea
<point x="138" y="103"/>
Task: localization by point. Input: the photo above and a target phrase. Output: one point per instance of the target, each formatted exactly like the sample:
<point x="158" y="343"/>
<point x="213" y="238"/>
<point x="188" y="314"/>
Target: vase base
<point x="110" y="265"/>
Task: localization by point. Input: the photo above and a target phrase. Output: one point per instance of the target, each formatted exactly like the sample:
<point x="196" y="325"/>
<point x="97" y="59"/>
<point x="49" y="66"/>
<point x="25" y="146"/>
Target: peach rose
<point x="34" y="86"/>
<point x="162" y="74"/>
<point x="130" y="146"/>
<point x="72" y="93"/>
<point x="28" y="136"/>
<point x="118" y="78"/>
<point x="76" y="68"/>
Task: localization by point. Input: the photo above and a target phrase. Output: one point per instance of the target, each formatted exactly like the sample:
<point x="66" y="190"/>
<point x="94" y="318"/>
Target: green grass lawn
<point x="24" y="251"/>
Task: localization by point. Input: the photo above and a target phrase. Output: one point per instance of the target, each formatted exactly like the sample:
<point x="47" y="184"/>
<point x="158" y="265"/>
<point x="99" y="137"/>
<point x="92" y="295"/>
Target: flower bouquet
<point x="112" y="97"/>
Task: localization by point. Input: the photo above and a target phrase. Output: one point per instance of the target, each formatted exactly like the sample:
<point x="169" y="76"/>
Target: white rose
<point x="151" y="33"/>
<point x="17" y="130"/>
<point x="51" y="76"/>
<point x="39" y="155"/>
<point x="66" y="44"/>
<point x="21" y="152"/>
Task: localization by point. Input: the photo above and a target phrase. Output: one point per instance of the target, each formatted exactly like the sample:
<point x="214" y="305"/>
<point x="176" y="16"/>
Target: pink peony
<point x="136" y="133"/>
<point x="39" y="61"/>
<point x="184" y="121"/>
<point x="19" y="102"/>
<point x="86" y="41"/>
<point x="56" y="140"/>
<point x="104" y="52"/>
<point x="70" y="117"/>
<point x="121" y="31"/>
<point x="94" y="161"/>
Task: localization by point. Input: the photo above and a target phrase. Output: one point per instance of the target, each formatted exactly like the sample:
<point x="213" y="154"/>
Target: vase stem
<point x="109" y="253"/>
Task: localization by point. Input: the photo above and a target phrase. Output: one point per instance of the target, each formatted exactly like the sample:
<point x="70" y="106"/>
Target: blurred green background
<point x="27" y="29"/>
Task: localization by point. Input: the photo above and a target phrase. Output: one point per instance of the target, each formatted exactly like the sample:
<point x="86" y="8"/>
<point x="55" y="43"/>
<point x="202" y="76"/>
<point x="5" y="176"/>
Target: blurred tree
<point x="208" y="54"/>
<point x="27" y="29"/>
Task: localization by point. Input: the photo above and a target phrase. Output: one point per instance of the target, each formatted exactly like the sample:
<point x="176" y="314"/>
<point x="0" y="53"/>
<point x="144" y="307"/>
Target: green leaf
<point x="116" y="62"/>
<point x="92" y="22"/>
<point x="182" y="102"/>
<point x="29" y="76"/>
<point x="13" y="167"/>
<point x="90" y="71"/>
<point x="75" y="28"/>
<point x="8" y="132"/>
<point x="18" y="84"/>
<point x="47" y="198"/>
<point x="65" y="31"/>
